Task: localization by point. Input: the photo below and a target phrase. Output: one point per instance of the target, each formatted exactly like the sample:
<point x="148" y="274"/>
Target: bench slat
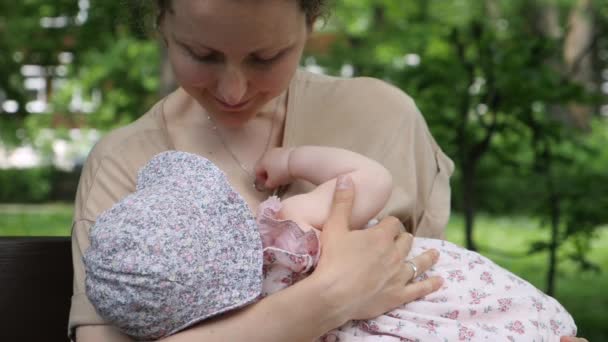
<point x="35" y="288"/>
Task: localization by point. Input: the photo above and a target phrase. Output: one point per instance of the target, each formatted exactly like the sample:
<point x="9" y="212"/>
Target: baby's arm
<point x="321" y="166"/>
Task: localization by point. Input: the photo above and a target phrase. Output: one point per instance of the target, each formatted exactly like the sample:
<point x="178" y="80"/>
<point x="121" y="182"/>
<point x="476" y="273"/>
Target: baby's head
<point x="183" y="247"/>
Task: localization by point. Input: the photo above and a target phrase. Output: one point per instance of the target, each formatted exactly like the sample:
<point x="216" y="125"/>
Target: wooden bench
<point x="35" y="288"/>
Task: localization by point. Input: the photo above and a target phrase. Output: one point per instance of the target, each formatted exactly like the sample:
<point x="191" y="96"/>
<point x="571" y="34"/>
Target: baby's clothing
<point x="184" y="247"/>
<point x="479" y="301"/>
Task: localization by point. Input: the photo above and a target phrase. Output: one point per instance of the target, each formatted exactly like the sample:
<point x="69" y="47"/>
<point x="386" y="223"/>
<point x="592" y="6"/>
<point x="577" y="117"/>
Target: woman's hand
<point x="363" y="270"/>
<point x="572" y="339"/>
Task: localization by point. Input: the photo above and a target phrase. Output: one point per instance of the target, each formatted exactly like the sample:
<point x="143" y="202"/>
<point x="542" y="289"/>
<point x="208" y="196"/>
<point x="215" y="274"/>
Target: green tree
<point x="114" y="56"/>
<point x="480" y="70"/>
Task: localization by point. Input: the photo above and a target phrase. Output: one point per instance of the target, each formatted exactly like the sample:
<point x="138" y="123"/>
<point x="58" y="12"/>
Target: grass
<point x="503" y="239"/>
<point x="35" y="220"/>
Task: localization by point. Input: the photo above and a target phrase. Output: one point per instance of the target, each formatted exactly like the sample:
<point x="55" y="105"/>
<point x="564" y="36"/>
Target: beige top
<point x="365" y="115"/>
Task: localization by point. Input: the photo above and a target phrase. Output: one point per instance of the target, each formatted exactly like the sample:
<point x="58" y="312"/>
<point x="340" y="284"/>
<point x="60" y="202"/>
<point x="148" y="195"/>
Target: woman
<point x="241" y="93"/>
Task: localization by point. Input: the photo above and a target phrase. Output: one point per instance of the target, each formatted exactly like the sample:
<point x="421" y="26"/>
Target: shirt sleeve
<point x="421" y="173"/>
<point x="102" y="182"/>
<point x="434" y="216"/>
<point x="82" y="312"/>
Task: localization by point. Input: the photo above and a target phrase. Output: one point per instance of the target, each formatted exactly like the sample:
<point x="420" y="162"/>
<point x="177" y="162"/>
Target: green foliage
<point x="114" y="58"/>
<point x="125" y="76"/>
<point x="490" y="78"/>
<point x="37" y="185"/>
<point x="29" y="185"/>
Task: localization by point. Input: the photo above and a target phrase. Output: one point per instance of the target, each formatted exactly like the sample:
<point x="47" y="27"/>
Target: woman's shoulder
<point x="355" y="97"/>
<point x="353" y="84"/>
<point x="371" y="102"/>
<point x="139" y="138"/>
<point x="112" y="165"/>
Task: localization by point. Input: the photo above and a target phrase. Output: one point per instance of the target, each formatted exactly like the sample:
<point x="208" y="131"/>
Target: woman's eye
<point x="208" y="58"/>
<point x="212" y="58"/>
<point x="266" y="60"/>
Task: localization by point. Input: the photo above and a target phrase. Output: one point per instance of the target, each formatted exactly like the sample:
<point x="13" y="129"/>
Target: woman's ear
<point x="161" y="33"/>
<point x="310" y="24"/>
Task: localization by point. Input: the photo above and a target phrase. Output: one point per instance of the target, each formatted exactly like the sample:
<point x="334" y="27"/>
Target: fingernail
<point x="439" y="283"/>
<point x="260" y="186"/>
<point x="344" y="182"/>
<point x="435" y="254"/>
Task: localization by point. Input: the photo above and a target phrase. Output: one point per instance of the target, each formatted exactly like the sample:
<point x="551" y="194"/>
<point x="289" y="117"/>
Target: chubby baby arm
<point x="321" y="166"/>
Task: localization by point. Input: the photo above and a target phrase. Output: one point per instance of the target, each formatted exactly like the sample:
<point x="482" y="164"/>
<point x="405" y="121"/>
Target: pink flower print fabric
<point x="479" y="301"/>
<point x="290" y="254"/>
<point x="184" y="247"/>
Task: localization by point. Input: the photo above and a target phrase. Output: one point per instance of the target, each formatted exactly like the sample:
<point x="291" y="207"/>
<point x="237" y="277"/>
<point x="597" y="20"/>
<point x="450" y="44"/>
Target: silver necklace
<point x="234" y="157"/>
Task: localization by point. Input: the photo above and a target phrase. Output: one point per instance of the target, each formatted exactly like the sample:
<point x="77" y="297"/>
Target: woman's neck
<point x="191" y="131"/>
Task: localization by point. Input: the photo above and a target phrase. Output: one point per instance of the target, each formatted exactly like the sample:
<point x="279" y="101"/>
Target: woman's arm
<point x="321" y="166"/>
<point x="298" y="313"/>
<point x="353" y="280"/>
<point x="100" y="333"/>
<point x="360" y="275"/>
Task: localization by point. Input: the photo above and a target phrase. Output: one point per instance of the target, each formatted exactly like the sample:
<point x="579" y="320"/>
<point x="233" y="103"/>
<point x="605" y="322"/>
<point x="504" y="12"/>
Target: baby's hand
<point x="272" y="170"/>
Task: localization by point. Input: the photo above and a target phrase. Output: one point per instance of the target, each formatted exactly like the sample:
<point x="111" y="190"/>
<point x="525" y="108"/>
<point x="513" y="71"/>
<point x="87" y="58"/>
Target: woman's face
<point x="233" y="56"/>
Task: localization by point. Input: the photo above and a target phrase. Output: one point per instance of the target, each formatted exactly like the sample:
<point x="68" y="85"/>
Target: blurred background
<point x="515" y="92"/>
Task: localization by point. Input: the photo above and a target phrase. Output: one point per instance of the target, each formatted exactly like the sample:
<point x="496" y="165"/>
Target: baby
<point x="184" y="247"/>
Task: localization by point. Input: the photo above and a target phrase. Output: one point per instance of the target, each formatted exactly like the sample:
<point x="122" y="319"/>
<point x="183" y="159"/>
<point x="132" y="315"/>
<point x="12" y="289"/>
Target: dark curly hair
<point x="312" y="8"/>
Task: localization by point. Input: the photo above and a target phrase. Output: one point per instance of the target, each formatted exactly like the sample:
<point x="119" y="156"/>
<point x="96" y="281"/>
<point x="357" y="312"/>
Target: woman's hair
<point x="312" y="8"/>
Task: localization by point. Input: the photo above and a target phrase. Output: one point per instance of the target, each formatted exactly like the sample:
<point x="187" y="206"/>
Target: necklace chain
<point x="234" y="157"/>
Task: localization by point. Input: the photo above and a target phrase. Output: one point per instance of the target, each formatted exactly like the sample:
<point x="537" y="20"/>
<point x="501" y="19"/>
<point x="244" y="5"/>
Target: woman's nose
<point x="232" y="86"/>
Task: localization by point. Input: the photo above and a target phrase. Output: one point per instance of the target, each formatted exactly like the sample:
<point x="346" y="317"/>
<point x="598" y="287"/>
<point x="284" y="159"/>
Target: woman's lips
<point x="231" y="108"/>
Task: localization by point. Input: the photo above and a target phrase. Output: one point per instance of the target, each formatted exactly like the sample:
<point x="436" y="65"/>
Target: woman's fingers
<point x="420" y="264"/>
<point x="342" y="205"/>
<point x="572" y="339"/>
<point x="388" y="229"/>
<point x="404" y="244"/>
<point x="417" y="290"/>
<point x="409" y="291"/>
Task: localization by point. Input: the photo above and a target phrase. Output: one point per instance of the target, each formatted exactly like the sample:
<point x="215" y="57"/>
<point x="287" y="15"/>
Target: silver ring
<point x="414" y="268"/>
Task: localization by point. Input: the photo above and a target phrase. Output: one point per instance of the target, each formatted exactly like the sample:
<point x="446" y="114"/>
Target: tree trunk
<point x="464" y="144"/>
<point x="598" y="63"/>
<point x="468" y="202"/>
<point x="576" y="63"/>
<point x="578" y="48"/>
<point x="555" y="218"/>
<point x="555" y="211"/>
